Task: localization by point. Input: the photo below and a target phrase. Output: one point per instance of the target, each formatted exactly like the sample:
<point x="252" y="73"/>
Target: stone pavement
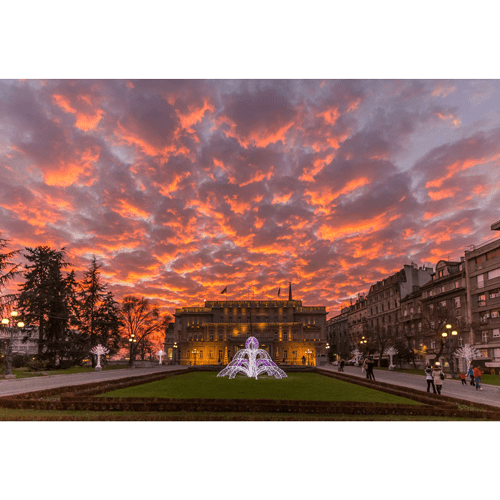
<point x="489" y="395"/>
<point x="9" y="387"/>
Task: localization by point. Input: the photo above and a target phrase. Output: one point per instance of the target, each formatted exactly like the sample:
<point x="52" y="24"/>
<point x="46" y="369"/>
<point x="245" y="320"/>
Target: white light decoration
<point x="99" y="350"/>
<point x="392" y="351"/>
<point x="161" y="353"/>
<point x="252" y="362"/>
<point x="468" y="353"/>
<point x="357" y="354"/>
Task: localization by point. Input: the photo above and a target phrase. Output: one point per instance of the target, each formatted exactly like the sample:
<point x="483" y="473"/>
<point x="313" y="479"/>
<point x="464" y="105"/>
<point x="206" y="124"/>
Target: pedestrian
<point x="462" y="378"/>
<point x="364" y="366"/>
<point x="369" y="369"/>
<point x="470" y="372"/>
<point x="477" y="378"/>
<point x="342" y="363"/>
<point x="438" y="375"/>
<point x="303" y="360"/>
<point x="429" y="379"/>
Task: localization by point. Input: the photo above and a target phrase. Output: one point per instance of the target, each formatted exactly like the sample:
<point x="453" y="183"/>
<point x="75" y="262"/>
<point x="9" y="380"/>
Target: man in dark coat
<point x="369" y="368"/>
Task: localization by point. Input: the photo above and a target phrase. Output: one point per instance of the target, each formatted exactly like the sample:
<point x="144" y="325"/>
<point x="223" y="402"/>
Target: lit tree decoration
<point x="468" y="353"/>
<point x="99" y="350"/>
<point x="252" y="362"/>
<point x="357" y="354"/>
<point x="392" y="351"/>
<point x="161" y="353"/>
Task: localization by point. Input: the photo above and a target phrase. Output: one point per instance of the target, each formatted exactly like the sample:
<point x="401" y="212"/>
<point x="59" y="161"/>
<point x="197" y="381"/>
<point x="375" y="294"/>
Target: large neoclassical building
<point x="213" y="334"/>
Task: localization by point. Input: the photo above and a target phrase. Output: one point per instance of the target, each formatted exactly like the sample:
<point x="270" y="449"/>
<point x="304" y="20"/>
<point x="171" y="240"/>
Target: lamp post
<point x="175" y="353"/>
<point x="132" y="341"/>
<point x="449" y="341"/>
<point x="195" y="352"/>
<point x="308" y="352"/>
<point x="8" y="355"/>
<point x="362" y="344"/>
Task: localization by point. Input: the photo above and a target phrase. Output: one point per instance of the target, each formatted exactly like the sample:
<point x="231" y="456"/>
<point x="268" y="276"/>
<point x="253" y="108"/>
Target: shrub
<point x="37" y="365"/>
<point x="19" y="360"/>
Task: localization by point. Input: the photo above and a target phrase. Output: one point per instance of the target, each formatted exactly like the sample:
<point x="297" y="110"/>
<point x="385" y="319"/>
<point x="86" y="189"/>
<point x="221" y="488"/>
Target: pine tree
<point x="108" y="322"/>
<point x="47" y="299"/>
<point x="91" y="295"/>
<point x="8" y="271"/>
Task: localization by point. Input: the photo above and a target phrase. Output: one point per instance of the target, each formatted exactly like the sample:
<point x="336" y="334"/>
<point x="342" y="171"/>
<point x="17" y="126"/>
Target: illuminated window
<point x="481" y="300"/>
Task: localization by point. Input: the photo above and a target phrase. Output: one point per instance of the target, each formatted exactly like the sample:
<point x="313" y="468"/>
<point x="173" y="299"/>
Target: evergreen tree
<point x="108" y="322"/>
<point x="48" y="299"/>
<point x="8" y="271"/>
<point x="91" y="295"/>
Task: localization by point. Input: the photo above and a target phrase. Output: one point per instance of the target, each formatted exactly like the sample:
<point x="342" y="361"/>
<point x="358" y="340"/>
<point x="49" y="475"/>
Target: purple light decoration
<point x="252" y="362"/>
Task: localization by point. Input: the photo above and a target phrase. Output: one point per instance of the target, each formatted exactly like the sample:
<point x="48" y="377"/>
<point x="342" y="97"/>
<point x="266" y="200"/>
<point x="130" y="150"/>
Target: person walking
<point x="342" y="363"/>
<point x="462" y="378"/>
<point x="369" y="369"/>
<point x="438" y="376"/>
<point x="470" y="373"/>
<point x="477" y="378"/>
<point x="429" y="379"/>
<point x="364" y="366"/>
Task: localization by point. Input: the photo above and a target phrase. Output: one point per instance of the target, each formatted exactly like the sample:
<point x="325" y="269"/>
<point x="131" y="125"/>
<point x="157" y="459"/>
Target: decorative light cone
<point x="252" y="362"/>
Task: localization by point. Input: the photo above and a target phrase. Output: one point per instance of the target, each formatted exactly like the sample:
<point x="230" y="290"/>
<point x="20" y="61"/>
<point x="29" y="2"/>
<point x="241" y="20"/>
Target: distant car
<point x="335" y="363"/>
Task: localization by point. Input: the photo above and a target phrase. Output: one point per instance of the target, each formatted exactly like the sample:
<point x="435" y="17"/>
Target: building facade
<point x="446" y="292"/>
<point x="482" y="265"/>
<point x="384" y="299"/>
<point x="213" y="334"/>
<point x="338" y="335"/>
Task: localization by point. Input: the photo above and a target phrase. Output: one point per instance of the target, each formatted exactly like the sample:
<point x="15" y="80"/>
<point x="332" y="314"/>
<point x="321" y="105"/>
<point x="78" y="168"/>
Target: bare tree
<point x="141" y="322"/>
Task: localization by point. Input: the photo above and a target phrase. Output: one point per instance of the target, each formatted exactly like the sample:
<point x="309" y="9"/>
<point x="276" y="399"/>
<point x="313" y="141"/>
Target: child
<point x="462" y="377"/>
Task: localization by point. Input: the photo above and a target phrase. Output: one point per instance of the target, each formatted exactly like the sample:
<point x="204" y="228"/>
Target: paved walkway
<point x="9" y="387"/>
<point x="489" y="395"/>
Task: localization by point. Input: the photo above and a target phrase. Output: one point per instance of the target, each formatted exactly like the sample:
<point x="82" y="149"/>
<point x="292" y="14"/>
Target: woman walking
<point x="477" y="378"/>
<point x="438" y="375"/>
<point x="429" y="379"/>
<point x="470" y="372"/>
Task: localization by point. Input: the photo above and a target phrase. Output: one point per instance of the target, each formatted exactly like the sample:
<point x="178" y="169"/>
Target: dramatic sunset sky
<point x="180" y="188"/>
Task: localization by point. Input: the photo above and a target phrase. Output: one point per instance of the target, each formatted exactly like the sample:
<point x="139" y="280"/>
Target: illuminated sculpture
<point x="392" y="351"/>
<point x="252" y="362"/>
<point x="99" y="350"/>
<point x="161" y="353"/>
<point x="357" y="354"/>
<point x="468" y="353"/>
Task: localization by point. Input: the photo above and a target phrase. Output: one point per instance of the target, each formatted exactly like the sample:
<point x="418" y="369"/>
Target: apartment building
<point x="338" y="335"/>
<point x="444" y="301"/>
<point x="384" y="298"/>
<point x="482" y="266"/>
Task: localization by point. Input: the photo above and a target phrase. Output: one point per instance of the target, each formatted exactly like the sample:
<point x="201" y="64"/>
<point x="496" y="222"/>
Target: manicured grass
<point x="24" y="373"/>
<point x="297" y="386"/>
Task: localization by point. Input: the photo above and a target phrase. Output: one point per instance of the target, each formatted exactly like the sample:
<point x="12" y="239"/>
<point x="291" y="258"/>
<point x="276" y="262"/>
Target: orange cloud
<point x="84" y="121"/>
<point x="443" y="193"/>
<point x="461" y="165"/>
<point x="330" y="115"/>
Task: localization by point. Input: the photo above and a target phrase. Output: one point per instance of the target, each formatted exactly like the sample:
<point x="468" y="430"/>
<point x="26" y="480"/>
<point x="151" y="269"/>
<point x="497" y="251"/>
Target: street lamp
<point x="363" y="343"/>
<point x="8" y="355"/>
<point x="449" y="342"/>
<point x="132" y="341"/>
<point x="308" y="352"/>
<point x="195" y="352"/>
<point x="175" y="353"/>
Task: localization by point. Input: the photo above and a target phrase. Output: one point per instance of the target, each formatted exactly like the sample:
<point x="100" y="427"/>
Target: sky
<point x="183" y="187"/>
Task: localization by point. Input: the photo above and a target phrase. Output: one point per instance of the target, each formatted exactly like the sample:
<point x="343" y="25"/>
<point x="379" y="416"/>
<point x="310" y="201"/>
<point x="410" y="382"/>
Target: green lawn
<point x="297" y="386"/>
<point x="24" y="373"/>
